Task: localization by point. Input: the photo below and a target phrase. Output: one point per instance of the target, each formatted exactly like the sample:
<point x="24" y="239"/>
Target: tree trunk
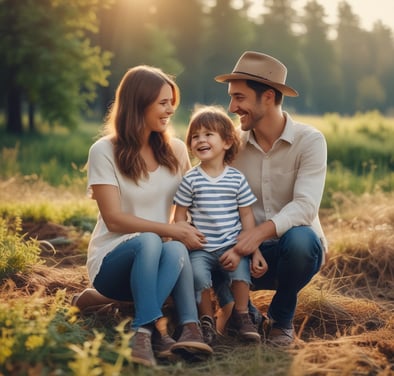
<point x="14" y="110"/>
<point x="32" y="126"/>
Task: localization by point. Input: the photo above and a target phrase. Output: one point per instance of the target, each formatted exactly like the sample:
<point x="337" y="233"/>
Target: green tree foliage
<point x="382" y="67"/>
<point x="185" y="29"/>
<point x="353" y="53"/>
<point x="228" y="33"/>
<point x="47" y="59"/>
<point x="53" y="59"/>
<point x="369" y="94"/>
<point x="135" y="34"/>
<point x="276" y="37"/>
<point x="321" y="94"/>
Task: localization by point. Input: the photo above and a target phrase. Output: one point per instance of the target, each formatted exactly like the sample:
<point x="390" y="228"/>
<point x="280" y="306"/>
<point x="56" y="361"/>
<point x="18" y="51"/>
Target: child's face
<point x="207" y="145"/>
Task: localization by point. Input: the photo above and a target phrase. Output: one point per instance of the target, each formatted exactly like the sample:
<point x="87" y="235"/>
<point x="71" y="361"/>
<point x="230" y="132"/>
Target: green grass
<point x="57" y="156"/>
<point x="360" y="153"/>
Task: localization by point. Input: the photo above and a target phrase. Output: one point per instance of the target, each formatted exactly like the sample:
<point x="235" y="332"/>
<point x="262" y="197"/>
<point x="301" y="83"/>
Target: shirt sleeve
<point x="245" y="194"/>
<point x="181" y="154"/>
<point x="308" y="186"/>
<point x="183" y="195"/>
<point x="101" y="167"/>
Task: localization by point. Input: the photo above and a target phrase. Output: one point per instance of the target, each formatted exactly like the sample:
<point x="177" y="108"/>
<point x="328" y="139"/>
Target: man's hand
<point x="250" y="239"/>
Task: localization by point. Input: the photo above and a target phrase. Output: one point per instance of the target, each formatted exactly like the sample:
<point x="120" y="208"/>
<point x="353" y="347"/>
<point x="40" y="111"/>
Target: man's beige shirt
<point x="289" y="179"/>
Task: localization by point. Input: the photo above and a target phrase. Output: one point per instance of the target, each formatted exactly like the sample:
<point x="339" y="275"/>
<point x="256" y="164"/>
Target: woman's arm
<point x="116" y="220"/>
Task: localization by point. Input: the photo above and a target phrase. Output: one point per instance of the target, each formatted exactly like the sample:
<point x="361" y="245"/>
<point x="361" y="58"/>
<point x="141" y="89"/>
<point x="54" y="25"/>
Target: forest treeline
<point x="62" y="58"/>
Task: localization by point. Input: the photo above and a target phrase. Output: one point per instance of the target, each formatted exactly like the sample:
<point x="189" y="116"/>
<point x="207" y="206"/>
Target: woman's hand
<point x="188" y="235"/>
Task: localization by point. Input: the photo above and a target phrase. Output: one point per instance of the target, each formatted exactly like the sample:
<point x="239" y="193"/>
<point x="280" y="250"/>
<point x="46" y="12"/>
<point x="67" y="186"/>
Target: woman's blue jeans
<point x="292" y="262"/>
<point x="146" y="270"/>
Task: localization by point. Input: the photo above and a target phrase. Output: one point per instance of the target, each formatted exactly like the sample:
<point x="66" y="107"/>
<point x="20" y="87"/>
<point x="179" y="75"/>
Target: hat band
<point x="253" y="75"/>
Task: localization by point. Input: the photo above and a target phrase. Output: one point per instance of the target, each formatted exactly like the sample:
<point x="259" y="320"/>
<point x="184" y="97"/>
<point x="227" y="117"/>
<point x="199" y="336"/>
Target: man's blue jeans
<point x="292" y="262"/>
<point x="146" y="271"/>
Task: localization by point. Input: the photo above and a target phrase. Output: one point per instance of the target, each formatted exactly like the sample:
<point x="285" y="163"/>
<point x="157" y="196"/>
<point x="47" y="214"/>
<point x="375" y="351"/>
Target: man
<point x="285" y="164"/>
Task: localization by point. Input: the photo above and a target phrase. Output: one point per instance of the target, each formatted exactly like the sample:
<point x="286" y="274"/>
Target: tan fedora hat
<point x="262" y="68"/>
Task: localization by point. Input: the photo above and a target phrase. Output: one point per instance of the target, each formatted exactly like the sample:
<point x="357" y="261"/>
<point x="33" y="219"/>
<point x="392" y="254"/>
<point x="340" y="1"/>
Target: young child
<point x="218" y="200"/>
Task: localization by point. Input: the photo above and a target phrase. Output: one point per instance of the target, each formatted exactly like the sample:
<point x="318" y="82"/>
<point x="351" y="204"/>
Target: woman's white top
<point x="151" y="199"/>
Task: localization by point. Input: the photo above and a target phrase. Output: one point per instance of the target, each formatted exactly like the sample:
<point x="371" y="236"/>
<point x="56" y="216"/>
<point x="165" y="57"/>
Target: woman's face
<point x="158" y="113"/>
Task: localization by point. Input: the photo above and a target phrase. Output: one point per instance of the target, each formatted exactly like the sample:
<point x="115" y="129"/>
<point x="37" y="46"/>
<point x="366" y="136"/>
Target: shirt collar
<point x="287" y="134"/>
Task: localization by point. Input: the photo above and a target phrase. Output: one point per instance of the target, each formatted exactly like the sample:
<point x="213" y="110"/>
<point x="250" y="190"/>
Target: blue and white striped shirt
<point x="213" y="204"/>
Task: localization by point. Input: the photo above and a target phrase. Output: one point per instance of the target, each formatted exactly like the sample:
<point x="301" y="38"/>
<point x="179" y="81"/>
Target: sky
<point x="369" y="11"/>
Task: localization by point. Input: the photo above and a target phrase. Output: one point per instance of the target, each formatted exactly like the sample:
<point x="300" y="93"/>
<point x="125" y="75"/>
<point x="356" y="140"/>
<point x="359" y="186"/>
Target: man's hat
<point x="262" y="68"/>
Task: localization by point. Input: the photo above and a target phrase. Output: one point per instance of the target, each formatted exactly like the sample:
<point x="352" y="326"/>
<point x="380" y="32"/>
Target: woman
<point x="135" y="252"/>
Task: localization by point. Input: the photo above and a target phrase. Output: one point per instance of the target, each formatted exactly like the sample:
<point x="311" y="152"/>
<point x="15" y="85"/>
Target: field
<point x="344" y="319"/>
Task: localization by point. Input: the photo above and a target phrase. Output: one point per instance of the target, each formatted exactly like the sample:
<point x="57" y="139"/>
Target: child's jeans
<point x="204" y="263"/>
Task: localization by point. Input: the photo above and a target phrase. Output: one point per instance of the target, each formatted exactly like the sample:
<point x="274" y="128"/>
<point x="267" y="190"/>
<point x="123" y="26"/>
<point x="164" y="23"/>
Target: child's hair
<point x="215" y="118"/>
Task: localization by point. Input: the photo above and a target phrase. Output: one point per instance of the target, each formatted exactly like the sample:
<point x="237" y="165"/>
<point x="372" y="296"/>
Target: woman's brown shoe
<point x="190" y="344"/>
<point x="141" y="348"/>
<point x="162" y="345"/>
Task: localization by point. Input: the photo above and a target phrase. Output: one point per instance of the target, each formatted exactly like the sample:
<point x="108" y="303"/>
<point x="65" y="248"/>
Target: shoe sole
<point x="190" y="355"/>
<point x="276" y="342"/>
<point x="166" y="355"/>
<point x="254" y="338"/>
<point x="192" y="351"/>
<point x="192" y="347"/>
<point x="143" y="362"/>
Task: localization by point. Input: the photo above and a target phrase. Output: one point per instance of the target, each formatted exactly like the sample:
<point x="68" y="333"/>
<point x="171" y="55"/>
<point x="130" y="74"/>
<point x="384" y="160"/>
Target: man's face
<point x="244" y="103"/>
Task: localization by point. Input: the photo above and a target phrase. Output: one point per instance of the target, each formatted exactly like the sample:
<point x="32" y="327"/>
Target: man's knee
<point x="302" y="251"/>
<point x="301" y="242"/>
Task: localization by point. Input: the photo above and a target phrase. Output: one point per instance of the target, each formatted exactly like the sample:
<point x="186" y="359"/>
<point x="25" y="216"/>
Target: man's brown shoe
<point x="278" y="336"/>
<point x="141" y="348"/>
<point x="191" y="343"/>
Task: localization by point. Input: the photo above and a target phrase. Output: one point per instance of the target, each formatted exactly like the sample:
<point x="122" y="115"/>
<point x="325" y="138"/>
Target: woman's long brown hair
<point x="138" y="89"/>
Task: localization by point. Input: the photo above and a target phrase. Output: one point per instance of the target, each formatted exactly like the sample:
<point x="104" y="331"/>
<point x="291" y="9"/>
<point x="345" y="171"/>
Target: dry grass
<point x="344" y="319"/>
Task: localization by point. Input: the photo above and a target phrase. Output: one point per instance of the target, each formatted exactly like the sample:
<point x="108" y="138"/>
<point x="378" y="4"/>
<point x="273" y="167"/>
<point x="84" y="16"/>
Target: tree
<point x="228" y="34"/>
<point x="135" y="33"/>
<point x="321" y="60"/>
<point x="47" y="59"/>
<point x="382" y="52"/>
<point x="275" y="36"/>
<point x="370" y="94"/>
<point x="353" y="55"/>
<point x="185" y="31"/>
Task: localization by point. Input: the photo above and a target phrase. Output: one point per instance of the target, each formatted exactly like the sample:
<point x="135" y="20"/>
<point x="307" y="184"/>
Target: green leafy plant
<point x="16" y="253"/>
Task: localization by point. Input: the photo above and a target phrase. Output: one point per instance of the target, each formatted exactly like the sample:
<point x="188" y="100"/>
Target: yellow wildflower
<point x="6" y="344"/>
<point x="34" y="341"/>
